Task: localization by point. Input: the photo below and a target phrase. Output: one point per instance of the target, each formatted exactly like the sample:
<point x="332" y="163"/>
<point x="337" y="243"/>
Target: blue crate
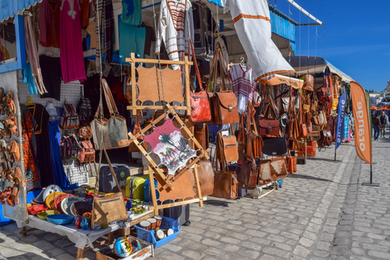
<point x="148" y="235"/>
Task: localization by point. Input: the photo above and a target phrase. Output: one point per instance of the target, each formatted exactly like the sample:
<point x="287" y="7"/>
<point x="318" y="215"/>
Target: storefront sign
<point x="362" y="123"/>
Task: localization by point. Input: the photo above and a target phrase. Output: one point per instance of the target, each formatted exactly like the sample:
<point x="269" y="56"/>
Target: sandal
<point x="9" y="100"/>
<point x="13" y="199"/>
<point x="13" y="125"/>
<point x="4" y="129"/>
<point x="14" y="151"/>
<point x="18" y="176"/>
<point x="5" y="195"/>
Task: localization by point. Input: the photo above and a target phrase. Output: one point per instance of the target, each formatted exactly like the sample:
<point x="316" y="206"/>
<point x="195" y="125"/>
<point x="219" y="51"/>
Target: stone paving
<point x="321" y="212"/>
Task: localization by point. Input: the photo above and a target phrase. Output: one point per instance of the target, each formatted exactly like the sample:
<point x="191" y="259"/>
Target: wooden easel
<point x="154" y="168"/>
<point x="134" y="106"/>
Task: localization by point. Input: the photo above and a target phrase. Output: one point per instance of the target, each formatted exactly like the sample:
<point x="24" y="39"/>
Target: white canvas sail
<point x="252" y="22"/>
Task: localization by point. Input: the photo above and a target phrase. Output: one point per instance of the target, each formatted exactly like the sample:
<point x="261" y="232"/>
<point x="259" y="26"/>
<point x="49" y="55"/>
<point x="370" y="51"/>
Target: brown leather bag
<point x="303" y="134"/>
<point x="272" y="169"/>
<point x="227" y="148"/>
<point x="249" y="173"/>
<point x="136" y="130"/>
<point x="201" y="134"/>
<point x="206" y="178"/>
<point x="254" y="142"/>
<point x="225" y="185"/>
<point x="224" y="109"/>
<point x="269" y="125"/>
<point x="292" y="123"/>
<point x="308" y="83"/>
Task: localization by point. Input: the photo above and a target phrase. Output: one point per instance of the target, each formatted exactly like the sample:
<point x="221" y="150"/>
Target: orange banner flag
<point x="362" y="123"/>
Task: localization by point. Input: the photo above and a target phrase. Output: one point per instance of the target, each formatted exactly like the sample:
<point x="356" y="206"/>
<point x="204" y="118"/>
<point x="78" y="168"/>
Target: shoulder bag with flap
<point x="223" y="103"/>
<point x="113" y="130"/>
<point x="199" y="101"/>
<point x="269" y="125"/>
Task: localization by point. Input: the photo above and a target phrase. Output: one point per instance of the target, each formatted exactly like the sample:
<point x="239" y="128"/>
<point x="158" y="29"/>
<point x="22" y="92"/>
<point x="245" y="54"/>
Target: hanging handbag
<point x="69" y="118"/>
<point x="136" y="130"/>
<point x="201" y="134"/>
<point x="85" y="132"/>
<point x="111" y="207"/>
<point x="249" y="173"/>
<point x="113" y="130"/>
<point x="292" y="123"/>
<point x="227" y="148"/>
<point x="308" y="83"/>
<point x="303" y="134"/>
<point x="223" y="102"/>
<point x="274" y="146"/>
<point x="87" y="153"/>
<point x="269" y="125"/>
<point x="206" y="178"/>
<point x="254" y="142"/>
<point x="291" y="164"/>
<point x="199" y="101"/>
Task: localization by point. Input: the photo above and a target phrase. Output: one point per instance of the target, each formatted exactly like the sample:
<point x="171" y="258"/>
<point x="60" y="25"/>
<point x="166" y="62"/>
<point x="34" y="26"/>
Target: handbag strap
<point x="191" y="49"/>
<point x="218" y="56"/>
<point x="109" y="101"/>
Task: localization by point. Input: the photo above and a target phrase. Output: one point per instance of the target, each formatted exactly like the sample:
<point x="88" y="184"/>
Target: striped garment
<point x="175" y="28"/>
<point x="243" y="84"/>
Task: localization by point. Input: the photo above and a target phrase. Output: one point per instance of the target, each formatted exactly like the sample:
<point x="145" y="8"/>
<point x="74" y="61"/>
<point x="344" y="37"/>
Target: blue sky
<point x="355" y="36"/>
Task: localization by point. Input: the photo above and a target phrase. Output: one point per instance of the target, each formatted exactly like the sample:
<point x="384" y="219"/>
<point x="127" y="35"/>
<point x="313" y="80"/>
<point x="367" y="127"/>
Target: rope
<point x="98" y="15"/>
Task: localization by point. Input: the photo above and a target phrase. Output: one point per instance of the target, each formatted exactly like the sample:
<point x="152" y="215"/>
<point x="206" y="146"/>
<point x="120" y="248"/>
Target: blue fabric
<point x="132" y="13"/>
<point x="131" y="39"/>
<point x="346" y="127"/>
<point x="8" y="8"/>
<point x="29" y="79"/>
<point x="60" y="177"/>
<point x="340" y="119"/>
<point x="217" y="2"/>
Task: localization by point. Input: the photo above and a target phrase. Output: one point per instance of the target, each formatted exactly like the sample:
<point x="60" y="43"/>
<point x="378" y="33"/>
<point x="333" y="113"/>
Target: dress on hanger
<point x="59" y="175"/>
<point x="175" y="28"/>
<point x="72" y="57"/>
<point x="243" y="84"/>
<point x="49" y="21"/>
<point x="31" y="170"/>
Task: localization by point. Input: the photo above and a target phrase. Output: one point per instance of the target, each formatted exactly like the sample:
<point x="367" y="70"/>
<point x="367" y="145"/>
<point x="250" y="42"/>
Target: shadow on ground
<point x="300" y="176"/>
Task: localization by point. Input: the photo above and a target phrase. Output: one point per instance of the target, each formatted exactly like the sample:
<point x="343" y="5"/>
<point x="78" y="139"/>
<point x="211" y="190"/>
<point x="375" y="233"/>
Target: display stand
<point x="134" y="106"/>
<point x="154" y="167"/>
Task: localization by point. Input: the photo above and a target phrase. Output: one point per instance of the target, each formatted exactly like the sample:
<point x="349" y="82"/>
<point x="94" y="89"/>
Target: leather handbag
<point x="69" y="118"/>
<point x="275" y="146"/>
<point x="228" y="148"/>
<point x="303" y="134"/>
<point x="111" y="207"/>
<point x="292" y="123"/>
<point x="201" y="134"/>
<point x="254" y="142"/>
<point x="223" y="102"/>
<point x="87" y="153"/>
<point x="291" y="164"/>
<point x="85" y="132"/>
<point x="269" y="125"/>
<point x="206" y="178"/>
<point x="272" y="169"/>
<point x="249" y="173"/>
<point x="199" y="101"/>
<point x="225" y="185"/>
<point x="325" y="139"/>
<point x="136" y="130"/>
<point x="113" y="130"/>
<point x="308" y="83"/>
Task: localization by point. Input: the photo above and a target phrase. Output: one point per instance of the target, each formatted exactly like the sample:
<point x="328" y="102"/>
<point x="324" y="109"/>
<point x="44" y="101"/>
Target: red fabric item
<point x="117" y="91"/>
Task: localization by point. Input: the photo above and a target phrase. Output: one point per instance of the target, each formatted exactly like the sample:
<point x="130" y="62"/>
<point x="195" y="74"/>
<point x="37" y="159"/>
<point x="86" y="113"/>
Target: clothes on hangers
<point x="132" y="39"/>
<point x="49" y="23"/>
<point x="131" y="12"/>
<point x="71" y="56"/>
<point x="175" y="28"/>
<point x="91" y="30"/>
<point x="32" y="55"/>
<point x="29" y="80"/>
<point x="84" y="6"/>
<point x="52" y="75"/>
<point x="243" y="84"/>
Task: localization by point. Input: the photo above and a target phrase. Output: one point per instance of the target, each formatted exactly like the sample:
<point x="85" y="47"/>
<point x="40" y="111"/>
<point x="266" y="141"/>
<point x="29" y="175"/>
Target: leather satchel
<point x="113" y="130"/>
<point x="229" y="148"/>
<point x="69" y="118"/>
<point x="137" y="128"/>
<point x="111" y="207"/>
<point x="269" y="125"/>
<point x="272" y="169"/>
<point x="223" y="102"/>
<point x="201" y="134"/>
<point x="206" y="178"/>
<point x="308" y="83"/>
<point x="249" y="173"/>
<point x="225" y="185"/>
<point x="199" y="101"/>
<point x="254" y="142"/>
<point x="291" y="164"/>
<point x="87" y="153"/>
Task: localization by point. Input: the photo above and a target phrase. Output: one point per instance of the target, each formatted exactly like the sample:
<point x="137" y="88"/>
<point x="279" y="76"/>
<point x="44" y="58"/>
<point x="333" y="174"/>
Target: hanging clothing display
<point x="72" y="58"/>
<point x="84" y="6"/>
<point x="51" y="73"/>
<point x="175" y="28"/>
<point x="42" y="143"/>
<point x="29" y="80"/>
<point x="251" y="19"/>
<point x="243" y="84"/>
<point x="49" y="23"/>
<point x="29" y="150"/>
<point x="91" y="30"/>
<point x="347" y="137"/>
<point x="131" y="12"/>
<point x="108" y="28"/>
<point x="131" y="39"/>
<point x="32" y="55"/>
<point x="60" y="177"/>
<point x="150" y="37"/>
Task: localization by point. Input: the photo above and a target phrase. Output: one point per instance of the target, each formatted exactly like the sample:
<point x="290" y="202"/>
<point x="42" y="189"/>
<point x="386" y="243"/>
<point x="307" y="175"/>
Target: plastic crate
<point x="148" y="235"/>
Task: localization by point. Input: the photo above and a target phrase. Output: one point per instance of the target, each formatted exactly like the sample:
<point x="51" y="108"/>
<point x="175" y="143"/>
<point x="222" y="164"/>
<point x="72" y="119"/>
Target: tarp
<point x="252" y="22"/>
<point x="314" y="65"/>
<point x="362" y="123"/>
<point x="8" y="8"/>
<point x="279" y="79"/>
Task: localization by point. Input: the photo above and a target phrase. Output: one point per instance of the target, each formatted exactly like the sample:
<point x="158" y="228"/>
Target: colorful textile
<point x="131" y="39"/>
<point x="29" y="80"/>
<point x="32" y="174"/>
<point x="251" y="19"/>
<point x="175" y="28"/>
<point x="132" y="13"/>
<point x="72" y="57"/>
<point x="347" y="138"/>
<point x="49" y="23"/>
<point x="243" y="84"/>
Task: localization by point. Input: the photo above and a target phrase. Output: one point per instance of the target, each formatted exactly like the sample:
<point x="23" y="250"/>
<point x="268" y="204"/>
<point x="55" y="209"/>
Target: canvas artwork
<point x="170" y="146"/>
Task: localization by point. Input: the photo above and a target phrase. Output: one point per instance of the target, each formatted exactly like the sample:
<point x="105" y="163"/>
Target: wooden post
<point x="153" y="191"/>
<point x="198" y="186"/>
<point x="187" y="85"/>
<point x="133" y="85"/>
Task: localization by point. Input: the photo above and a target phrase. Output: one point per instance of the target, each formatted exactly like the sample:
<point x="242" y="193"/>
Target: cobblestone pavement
<point x="321" y="212"/>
